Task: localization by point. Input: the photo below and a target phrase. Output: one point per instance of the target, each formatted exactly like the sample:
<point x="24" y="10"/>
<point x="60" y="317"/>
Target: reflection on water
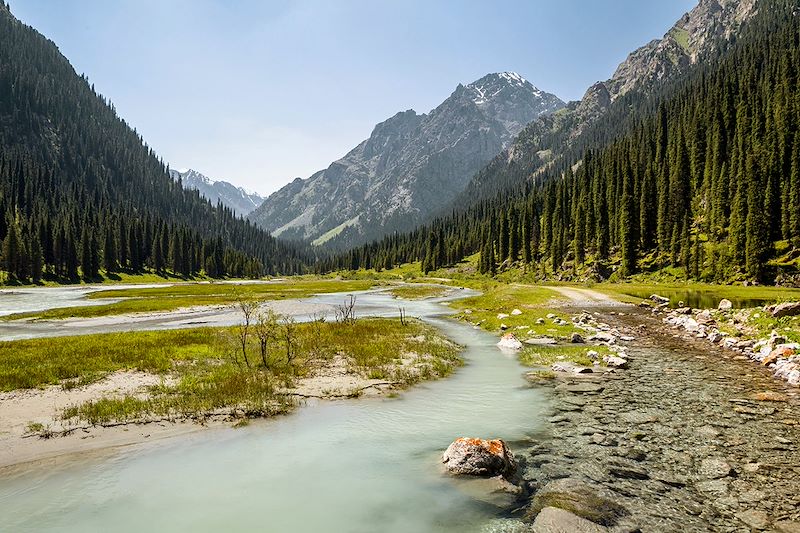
<point x="351" y="466"/>
<point x="697" y="299"/>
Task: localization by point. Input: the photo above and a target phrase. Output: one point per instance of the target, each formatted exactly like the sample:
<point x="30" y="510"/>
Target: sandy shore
<point x="21" y="443"/>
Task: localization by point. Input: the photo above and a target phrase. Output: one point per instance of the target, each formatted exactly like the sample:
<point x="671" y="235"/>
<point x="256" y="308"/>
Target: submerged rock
<point x="479" y="457"/>
<point x="555" y="520"/>
<point x="578" y="498"/>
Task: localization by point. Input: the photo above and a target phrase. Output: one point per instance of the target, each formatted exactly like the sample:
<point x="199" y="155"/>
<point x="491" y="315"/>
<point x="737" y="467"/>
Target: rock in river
<point x="479" y="457"/>
<point x="555" y="520"/>
<point x="509" y="342"/>
<point x="579" y="499"/>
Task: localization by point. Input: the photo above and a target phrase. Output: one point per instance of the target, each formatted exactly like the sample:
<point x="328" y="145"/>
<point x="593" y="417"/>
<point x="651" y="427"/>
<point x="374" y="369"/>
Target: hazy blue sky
<point x="261" y="92"/>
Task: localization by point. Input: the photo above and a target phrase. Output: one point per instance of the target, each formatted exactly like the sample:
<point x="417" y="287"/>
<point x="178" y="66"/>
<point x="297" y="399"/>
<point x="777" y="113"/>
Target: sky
<point x="260" y="92"/>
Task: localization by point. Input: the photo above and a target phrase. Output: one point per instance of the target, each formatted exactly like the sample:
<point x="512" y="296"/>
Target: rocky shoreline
<point x="690" y="437"/>
<point x="731" y="330"/>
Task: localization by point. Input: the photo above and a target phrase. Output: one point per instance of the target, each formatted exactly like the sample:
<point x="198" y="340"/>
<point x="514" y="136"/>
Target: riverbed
<point x="360" y="465"/>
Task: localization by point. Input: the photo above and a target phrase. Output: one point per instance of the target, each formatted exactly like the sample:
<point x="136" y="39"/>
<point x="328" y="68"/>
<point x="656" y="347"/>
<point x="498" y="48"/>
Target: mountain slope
<point x="80" y="189"/>
<point x="699" y="35"/>
<point x="701" y="182"/>
<point x="411" y="165"/>
<point x="235" y="198"/>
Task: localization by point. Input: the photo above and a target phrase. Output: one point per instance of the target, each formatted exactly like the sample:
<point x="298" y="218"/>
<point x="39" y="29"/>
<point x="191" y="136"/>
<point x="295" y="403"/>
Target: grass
<point x="169" y="298"/>
<point x="201" y="375"/>
<point x="545" y="356"/>
<point x="501" y="298"/>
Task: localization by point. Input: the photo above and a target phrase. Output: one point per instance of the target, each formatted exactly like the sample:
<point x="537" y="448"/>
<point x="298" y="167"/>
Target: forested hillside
<point x="702" y="175"/>
<point x="80" y="191"/>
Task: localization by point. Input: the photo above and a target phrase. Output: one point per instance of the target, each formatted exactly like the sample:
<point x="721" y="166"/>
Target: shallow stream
<point x="350" y="466"/>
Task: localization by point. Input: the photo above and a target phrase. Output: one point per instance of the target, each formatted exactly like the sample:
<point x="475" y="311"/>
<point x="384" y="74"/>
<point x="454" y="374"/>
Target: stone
<point x="503" y="327"/>
<point x="555" y="520"/>
<point x="516" y="312"/>
<point x="787" y="526"/>
<point x="659" y="299"/>
<point x="754" y="519"/>
<point x="714" y="468"/>
<point x="479" y="457"/>
<point x="713" y="486"/>
<point x="570" y="367"/>
<point x="770" y="396"/>
<point x="602" y="336"/>
<point x="704" y="317"/>
<point x="509" y="342"/>
<point x="725" y="304"/>
<point x="540" y="321"/>
<point x="715" y="337"/>
<point x="784" y="309"/>
<point x="501" y="316"/>
<point x="593" y="355"/>
<point x="580" y="388"/>
<point x="578" y="498"/>
<point x="576" y="338"/>
<point x="616" y="362"/>
<point x="627" y="472"/>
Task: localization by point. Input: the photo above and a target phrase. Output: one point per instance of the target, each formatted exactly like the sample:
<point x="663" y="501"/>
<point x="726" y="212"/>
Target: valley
<point x="516" y="312"/>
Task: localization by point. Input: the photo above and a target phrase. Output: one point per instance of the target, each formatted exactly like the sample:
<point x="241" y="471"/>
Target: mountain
<point x="411" y="165"/>
<point x="236" y="198"/>
<point x="700" y="35"/>
<point x="80" y="190"/>
<point x="689" y="176"/>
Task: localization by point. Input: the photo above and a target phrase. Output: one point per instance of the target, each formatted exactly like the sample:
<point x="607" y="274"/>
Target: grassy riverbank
<point x="171" y="297"/>
<point x="203" y="370"/>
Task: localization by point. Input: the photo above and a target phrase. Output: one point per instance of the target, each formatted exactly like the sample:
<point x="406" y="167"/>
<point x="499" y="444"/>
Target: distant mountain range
<point x="241" y="201"/>
<point x="411" y="166"/>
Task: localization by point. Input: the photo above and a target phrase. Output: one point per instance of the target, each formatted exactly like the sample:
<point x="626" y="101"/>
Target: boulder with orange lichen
<point x="479" y="457"/>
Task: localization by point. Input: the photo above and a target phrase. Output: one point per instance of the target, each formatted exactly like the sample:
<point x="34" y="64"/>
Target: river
<point x="349" y="466"/>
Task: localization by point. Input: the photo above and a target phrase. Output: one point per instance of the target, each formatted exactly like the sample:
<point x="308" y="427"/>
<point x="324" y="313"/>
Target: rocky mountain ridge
<point x="410" y="166"/>
<point x="699" y="34"/>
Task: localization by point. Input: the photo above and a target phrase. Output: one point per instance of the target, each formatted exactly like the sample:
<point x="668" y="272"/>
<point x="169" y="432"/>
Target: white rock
<point x="616" y="362"/>
<point x="509" y="342"/>
<point x="501" y="316"/>
<point x="516" y="312"/>
<point x="725" y="304"/>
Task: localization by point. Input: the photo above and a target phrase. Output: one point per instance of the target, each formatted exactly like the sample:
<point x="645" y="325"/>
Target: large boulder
<point x="479" y="457"/>
<point x="784" y="309"/>
<point x="725" y="304"/>
<point x="577" y="498"/>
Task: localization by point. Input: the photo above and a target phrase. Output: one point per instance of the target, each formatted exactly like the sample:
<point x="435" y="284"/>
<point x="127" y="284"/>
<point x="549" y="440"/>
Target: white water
<point x="350" y="466"/>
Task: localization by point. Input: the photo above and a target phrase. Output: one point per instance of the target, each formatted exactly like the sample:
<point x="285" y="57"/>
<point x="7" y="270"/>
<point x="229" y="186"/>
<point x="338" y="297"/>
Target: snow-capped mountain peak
<point x="238" y="199"/>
